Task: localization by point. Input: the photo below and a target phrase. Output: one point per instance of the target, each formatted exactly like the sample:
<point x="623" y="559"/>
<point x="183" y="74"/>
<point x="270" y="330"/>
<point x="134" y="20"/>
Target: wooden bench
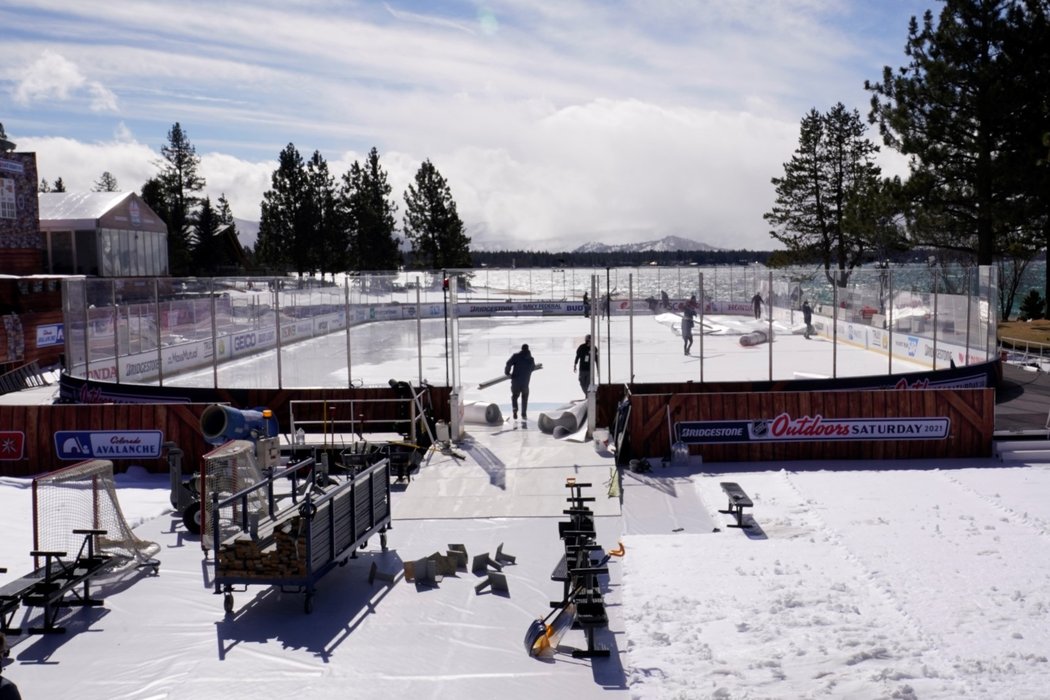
<point x="738" y="500"/>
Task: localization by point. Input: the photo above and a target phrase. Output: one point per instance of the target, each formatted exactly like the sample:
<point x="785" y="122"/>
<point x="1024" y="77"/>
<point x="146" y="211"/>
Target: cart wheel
<point x="308" y="604"/>
<point x="308" y="510"/>
<point x="343" y="562"/>
<point x="227" y="602"/>
<point x="191" y="518"/>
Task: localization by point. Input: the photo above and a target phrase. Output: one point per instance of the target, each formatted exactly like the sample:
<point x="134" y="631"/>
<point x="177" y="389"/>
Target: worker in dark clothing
<point x="688" y="313"/>
<point x="519" y="368"/>
<point x="756" y="304"/>
<point x="583" y="360"/>
<point x="807" y="318"/>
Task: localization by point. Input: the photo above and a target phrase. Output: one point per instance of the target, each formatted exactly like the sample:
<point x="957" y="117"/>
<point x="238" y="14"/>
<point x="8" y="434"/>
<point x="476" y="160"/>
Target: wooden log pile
<point x="279" y="554"/>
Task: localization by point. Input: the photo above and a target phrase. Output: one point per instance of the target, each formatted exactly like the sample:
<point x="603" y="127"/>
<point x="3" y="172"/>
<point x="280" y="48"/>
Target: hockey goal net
<point x="226" y="470"/>
<point x="80" y="497"/>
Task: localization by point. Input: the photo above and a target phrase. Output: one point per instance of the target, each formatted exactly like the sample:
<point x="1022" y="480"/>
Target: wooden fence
<point x="32" y="428"/>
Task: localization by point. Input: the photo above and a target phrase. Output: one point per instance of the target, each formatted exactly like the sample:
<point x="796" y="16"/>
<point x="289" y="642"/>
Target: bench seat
<point x="738" y="500"/>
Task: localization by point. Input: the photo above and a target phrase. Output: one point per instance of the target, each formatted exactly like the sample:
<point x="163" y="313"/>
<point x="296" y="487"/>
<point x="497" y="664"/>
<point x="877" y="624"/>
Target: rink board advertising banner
<point x="108" y="444"/>
<point x="12" y="444"/>
<point x="784" y="428"/>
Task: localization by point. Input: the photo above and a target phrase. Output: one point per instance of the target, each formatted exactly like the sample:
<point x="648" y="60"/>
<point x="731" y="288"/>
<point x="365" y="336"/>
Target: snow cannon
<point x="220" y="424"/>
<point x="754" y="338"/>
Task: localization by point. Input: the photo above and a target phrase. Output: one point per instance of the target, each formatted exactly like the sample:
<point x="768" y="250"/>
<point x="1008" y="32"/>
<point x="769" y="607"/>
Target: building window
<point x="7" y="198"/>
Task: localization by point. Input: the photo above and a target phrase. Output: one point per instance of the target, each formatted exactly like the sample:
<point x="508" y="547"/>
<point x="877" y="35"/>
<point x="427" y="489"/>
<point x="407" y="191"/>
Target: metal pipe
<point x="277" y="320"/>
<point x="214" y="339"/>
<point x="160" y="353"/>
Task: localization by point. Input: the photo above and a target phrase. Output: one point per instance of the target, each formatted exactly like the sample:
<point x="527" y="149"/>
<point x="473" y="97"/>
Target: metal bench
<point x="53" y="586"/>
<point x="738" y="500"/>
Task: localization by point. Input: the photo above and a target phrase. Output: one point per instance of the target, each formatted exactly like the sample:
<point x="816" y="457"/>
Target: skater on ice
<point x="807" y="318"/>
<point x="756" y="304"/>
<point x="519" y="368"/>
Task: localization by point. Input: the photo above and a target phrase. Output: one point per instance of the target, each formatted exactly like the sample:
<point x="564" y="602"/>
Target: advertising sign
<point x="108" y="444"/>
<point x="51" y="334"/>
<point x="784" y="428"/>
<point x="12" y="444"/>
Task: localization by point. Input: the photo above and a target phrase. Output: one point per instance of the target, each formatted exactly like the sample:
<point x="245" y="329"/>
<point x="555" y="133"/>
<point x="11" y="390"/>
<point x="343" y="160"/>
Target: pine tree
<point x="208" y="252"/>
<point x="328" y="241"/>
<point x="58" y="185"/>
<point x="829" y="182"/>
<point x="179" y="183"/>
<point x="432" y="224"/>
<point x="44" y="186"/>
<point x="969" y="112"/>
<point x="224" y="213"/>
<point x="106" y="183"/>
<point x="284" y="222"/>
<point x="365" y="201"/>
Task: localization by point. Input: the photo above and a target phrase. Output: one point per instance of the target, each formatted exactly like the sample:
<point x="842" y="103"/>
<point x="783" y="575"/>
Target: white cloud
<point x="81" y="164"/>
<point x="102" y="99"/>
<point x="51" y="75"/>
<point x="563" y="121"/>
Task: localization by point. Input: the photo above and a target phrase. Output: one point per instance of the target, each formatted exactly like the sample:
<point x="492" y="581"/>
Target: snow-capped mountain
<point x="665" y="244"/>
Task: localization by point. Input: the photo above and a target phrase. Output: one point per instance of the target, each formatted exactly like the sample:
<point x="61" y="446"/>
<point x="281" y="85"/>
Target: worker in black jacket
<point x="519" y="368"/>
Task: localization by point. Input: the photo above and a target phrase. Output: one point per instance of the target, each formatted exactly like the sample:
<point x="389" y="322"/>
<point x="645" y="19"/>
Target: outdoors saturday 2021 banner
<point x="784" y="428"/>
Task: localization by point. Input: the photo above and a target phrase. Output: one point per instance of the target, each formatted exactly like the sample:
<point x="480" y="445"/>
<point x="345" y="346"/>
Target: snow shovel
<point x="542" y="637"/>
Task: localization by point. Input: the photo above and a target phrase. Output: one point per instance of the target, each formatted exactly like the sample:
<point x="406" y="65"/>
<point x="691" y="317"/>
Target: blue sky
<point x="555" y="123"/>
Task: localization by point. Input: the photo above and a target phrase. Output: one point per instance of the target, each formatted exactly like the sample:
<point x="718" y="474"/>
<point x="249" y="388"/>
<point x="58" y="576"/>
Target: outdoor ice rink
<point x="388" y="350"/>
<point x="906" y="579"/>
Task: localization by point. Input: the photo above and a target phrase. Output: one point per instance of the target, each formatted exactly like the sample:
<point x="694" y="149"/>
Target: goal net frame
<point x="226" y="470"/>
<point x="83" y="496"/>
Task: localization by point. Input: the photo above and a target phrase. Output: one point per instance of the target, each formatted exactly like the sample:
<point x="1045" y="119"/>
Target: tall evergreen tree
<point x="106" y="183"/>
<point x="830" y="181"/>
<point x="285" y="223"/>
<point x="365" y="200"/>
<point x="45" y="186"/>
<point x="329" y="237"/>
<point x="58" y="185"/>
<point x="967" y="112"/>
<point x="208" y="253"/>
<point x="152" y="194"/>
<point x="432" y="224"/>
<point x="229" y="227"/>
<point x="179" y="184"/>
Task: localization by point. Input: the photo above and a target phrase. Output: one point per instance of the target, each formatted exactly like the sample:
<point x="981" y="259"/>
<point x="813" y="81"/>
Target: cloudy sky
<point x="555" y="122"/>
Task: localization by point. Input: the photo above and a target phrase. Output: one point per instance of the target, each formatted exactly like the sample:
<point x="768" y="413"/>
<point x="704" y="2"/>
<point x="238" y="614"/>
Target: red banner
<point x="12" y="443"/>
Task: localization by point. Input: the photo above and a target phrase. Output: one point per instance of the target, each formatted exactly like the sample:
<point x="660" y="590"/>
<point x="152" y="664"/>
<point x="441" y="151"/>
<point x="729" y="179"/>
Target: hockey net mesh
<point x="84" y="496"/>
<point x="228" y="469"/>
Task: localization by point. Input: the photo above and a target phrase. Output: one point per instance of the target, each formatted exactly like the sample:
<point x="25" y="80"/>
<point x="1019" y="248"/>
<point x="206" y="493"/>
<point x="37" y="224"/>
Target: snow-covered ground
<point x="857" y="580"/>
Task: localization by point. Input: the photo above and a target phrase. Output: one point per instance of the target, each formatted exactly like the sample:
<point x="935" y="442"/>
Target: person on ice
<point x="688" y="312"/>
<point x="807" y="318"/>
<point x="519" y="368"/>
<point x="583" y="359"/>
<point x="756" y="304"/>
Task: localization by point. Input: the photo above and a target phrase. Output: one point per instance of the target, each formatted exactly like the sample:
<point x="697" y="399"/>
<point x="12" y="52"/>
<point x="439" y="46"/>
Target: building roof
<point x="78" y="206"/>
<point x="92" y="210"/>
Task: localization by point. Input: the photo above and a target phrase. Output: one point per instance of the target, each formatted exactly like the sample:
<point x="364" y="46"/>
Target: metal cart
<point x="294" y="546"/>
